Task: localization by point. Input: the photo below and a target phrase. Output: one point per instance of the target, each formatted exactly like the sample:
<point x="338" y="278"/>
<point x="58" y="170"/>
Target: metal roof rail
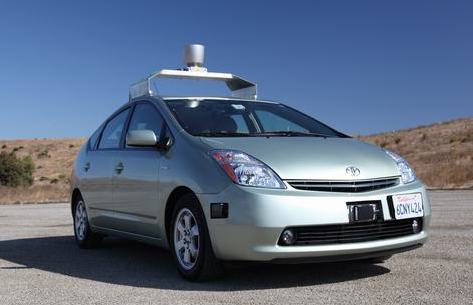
<point x="193" y="59"/>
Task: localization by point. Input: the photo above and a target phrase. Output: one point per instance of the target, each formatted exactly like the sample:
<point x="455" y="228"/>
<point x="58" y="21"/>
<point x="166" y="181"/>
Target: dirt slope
<point x="441" y="154"/>
<point x="53" y="159"/>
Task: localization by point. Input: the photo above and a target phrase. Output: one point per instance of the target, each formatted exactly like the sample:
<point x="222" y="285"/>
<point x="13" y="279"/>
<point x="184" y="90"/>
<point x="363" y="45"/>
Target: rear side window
<point x="112" y="132"/>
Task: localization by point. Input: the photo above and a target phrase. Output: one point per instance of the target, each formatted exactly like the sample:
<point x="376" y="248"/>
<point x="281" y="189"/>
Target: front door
<point x="135" y="179"/>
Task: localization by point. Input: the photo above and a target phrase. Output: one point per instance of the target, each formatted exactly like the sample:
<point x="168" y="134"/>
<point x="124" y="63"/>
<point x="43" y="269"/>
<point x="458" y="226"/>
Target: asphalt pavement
<point x="40" y="264"/>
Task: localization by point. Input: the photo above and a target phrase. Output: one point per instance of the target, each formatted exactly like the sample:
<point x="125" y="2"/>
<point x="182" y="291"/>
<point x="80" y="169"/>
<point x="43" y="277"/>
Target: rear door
<point x="99" y="168"/>
<point x="135" y="184"/>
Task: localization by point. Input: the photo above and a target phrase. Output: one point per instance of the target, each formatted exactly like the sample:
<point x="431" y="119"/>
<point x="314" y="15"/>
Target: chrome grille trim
<point x="344" y="186"/>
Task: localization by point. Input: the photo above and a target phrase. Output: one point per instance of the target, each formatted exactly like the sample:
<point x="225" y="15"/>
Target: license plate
<point x="408" y="206"/>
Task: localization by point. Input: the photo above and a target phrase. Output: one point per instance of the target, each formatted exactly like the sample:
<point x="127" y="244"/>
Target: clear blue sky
<point x="360" y="66"/>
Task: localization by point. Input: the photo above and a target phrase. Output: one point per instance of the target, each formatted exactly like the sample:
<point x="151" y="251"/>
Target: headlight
<point x="407" y="173"/>
<point x="245" y="170"/>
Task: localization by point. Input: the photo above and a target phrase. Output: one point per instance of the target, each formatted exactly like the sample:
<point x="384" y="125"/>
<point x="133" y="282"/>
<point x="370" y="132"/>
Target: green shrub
<point x="16" y="171"/>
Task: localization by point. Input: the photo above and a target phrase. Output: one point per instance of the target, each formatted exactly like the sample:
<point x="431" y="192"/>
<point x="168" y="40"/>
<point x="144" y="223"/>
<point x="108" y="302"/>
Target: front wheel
<point x="84" y="236"/>
<point x="190" y="242"/>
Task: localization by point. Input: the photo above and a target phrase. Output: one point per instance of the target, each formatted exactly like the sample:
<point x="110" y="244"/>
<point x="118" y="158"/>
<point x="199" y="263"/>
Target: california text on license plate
<point x="408" y="206"/>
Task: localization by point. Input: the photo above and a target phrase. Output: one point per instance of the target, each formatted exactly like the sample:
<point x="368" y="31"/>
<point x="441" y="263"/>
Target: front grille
<point x="354" y="186"/>
<point x="355" y="232"/>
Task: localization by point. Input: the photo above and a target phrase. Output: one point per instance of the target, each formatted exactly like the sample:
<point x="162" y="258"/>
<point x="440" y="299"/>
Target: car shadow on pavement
<point x="129" y="263"/>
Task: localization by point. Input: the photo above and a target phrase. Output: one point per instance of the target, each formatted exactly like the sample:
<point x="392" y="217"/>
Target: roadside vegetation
<point x="14" y="171"/>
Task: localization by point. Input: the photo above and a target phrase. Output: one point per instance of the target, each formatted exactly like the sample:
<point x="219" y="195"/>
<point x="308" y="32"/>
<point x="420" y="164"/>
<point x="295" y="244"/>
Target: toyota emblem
<point x="353" y="171"/>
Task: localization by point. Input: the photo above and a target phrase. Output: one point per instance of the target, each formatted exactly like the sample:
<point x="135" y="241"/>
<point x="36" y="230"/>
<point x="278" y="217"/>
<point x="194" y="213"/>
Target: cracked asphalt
<point x="40" y="264"/>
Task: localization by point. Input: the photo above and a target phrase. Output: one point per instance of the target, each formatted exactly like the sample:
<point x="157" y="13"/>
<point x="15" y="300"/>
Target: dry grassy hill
<point x="441" y="154"/>
<point x="53" y="159"/>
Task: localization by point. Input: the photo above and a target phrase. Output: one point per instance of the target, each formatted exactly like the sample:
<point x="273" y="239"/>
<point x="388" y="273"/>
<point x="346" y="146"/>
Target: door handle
<point x="119" y="168"/>
<point x="86" y="166"/>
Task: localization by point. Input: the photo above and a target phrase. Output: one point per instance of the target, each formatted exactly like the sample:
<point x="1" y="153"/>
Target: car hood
<point x="312" y="158"/>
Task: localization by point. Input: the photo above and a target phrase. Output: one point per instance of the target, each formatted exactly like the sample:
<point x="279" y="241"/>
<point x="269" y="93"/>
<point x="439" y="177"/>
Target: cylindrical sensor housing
<point x="194" y="55"/>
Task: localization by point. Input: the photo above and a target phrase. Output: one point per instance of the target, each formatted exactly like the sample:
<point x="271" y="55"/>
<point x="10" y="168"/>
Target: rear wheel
<point x="190" y="242"/>
<point x="84" y="236"/>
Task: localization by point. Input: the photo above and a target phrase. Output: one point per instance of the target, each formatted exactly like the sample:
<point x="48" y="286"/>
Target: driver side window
<point x="145" y="116"/>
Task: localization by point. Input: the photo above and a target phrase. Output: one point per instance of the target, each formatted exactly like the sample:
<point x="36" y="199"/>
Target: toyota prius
<point x="237" y="178"/>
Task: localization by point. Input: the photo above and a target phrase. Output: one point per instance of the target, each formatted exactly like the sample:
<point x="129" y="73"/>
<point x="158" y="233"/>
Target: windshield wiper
<point x="293" y="134"/>
<point x="221" y="134"/>
<point x="260" y="134"/>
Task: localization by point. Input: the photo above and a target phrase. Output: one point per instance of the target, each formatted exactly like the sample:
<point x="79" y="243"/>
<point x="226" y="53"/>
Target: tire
<point x="85" y="238"/>
<point x="190" y="242"/>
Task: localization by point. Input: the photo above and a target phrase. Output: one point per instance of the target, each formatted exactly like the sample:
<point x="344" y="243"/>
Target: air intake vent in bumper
<point x="352" y="233"/>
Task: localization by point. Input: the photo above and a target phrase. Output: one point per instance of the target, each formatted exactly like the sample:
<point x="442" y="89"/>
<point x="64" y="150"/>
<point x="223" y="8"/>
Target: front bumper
<point x="257" y="217"/>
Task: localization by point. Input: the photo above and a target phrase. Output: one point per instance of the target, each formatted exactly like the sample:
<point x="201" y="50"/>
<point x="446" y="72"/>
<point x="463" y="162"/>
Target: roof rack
<point x="193" y="59"/>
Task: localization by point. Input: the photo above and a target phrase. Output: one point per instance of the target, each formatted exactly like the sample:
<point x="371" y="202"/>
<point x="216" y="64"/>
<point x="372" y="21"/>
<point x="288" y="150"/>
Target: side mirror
<point x="141" y="138"/>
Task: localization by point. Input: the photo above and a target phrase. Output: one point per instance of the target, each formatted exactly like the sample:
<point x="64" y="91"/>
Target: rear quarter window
<point x="93" y="139"/>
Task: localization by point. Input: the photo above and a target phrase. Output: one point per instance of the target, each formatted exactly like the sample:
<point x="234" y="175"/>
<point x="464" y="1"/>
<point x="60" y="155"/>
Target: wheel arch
<point x="174" y="196"/>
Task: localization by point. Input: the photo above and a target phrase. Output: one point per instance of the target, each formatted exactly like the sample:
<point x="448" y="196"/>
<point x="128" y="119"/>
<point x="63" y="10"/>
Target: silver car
<point x="239" y="179"/>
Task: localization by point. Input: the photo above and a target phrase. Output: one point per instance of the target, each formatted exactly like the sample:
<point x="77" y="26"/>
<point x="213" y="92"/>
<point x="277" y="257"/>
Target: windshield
<point x="234" y="118"/>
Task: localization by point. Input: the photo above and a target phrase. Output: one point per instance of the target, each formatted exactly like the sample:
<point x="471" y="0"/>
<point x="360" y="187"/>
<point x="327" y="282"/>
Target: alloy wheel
<point x="80" y="224"/>
<point x="186" y="239"/>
